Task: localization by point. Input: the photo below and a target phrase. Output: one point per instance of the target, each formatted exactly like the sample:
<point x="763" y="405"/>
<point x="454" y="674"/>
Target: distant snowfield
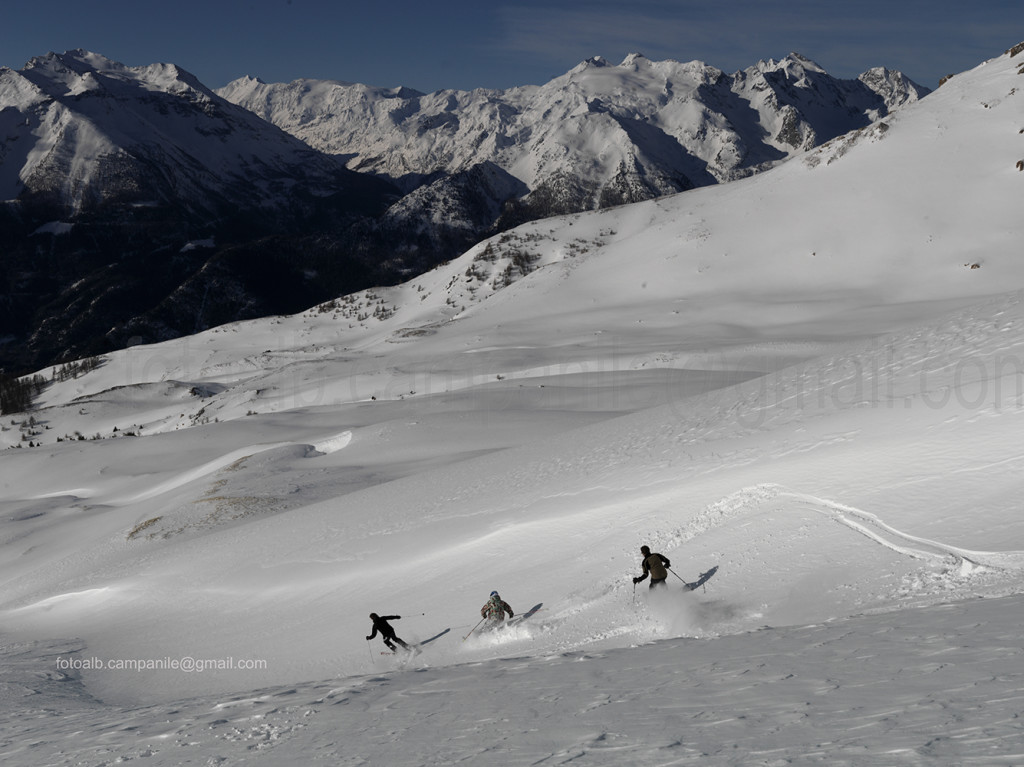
<point x="798" y="378"/>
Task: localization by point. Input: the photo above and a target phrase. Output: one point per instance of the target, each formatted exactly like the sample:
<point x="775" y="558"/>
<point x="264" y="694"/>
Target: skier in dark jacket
<point x="654" y="565"/>
<point x="386" y="632"/>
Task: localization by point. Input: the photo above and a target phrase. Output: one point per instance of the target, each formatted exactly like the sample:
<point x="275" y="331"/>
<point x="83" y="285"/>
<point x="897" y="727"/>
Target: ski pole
<point x="369" y="650"/>
<point x="677" y="576"/>
<point x="473" y="629"/>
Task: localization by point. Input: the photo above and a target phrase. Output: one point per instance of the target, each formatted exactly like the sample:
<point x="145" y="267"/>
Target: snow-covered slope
<point x="600" y="134"/>
<point x="825" y="403"/>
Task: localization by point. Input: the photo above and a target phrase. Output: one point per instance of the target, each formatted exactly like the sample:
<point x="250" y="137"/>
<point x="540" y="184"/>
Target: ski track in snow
<point x="866" y="523"/>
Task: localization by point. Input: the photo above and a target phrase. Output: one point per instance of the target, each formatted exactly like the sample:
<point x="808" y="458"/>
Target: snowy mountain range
<point x="82" y="131"/>
<point x="136" y="205"/>
<point x="139" y="205"/>
<point x="599" y="135"/>
<point x="811" y="378"/>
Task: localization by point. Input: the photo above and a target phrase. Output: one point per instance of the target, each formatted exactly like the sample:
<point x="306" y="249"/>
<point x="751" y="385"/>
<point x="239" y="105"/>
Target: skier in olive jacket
<point x="386" y="632"/>
<point x="654" y="565"/>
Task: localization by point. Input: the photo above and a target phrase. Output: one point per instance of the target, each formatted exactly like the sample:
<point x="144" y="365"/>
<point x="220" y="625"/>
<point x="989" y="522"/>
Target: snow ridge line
<point x="197" y="472"/>
<point x="320" y="447"/>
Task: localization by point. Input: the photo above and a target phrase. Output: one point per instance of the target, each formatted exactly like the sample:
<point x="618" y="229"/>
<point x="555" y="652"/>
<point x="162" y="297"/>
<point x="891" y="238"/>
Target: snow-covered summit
<point x="71" y="67"/>
<point x="632" y="59"/>
<point x="794" y="64"/>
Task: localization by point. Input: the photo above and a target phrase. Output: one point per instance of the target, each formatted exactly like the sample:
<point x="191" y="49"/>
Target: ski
<point x="436" y="636"/>
<point x="415" y="647"/>
<point x="704" y="578"/>
<point x="523" y="616"/>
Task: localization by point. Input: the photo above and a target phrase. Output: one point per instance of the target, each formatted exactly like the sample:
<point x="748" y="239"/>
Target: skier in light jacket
<point x="495" y="609"/>
<point x="654" y="565"/>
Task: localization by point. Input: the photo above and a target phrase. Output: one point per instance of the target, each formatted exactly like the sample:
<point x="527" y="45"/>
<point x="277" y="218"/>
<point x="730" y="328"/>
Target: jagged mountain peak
<point x="801" y="62"/>
<point x="593" y="61"/>
<point x="77" y="60"/>
<point x="794" y="70"/>
<point x="310" y="101"/>
<point x="638" y="69"/>
<point x="893" y="86"/>
<point x="633" y="59"/>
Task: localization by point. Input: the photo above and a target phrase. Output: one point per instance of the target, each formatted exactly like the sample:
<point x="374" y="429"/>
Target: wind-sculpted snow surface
<point x="189" y="553"/>
<point x="935" y="686"/>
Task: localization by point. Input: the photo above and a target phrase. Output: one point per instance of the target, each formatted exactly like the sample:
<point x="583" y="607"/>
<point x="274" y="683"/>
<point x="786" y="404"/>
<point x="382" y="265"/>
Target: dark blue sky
<point x="502" y="43"/>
